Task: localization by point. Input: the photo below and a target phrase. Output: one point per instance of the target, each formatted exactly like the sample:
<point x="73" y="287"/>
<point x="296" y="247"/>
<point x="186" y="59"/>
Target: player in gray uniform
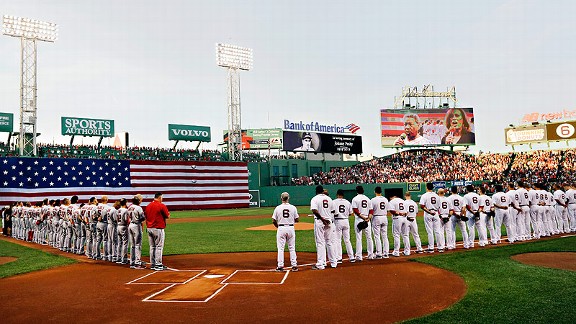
<point x="89" y="212"/>
<point x="112" y="232"/>
<point x="136" y="217"/>
<point x="342" y="210"/>
<point x="473" y="210"/>
<point x="323" y="210"/>
<point x="561" y="210"/>
<point x="380" y="224"/>
<point x="102" y="229"/>
<point x="363" y="211"/>
<point x="122" y="229"/>
<point x="284" y="217"/>
<point x="429" y="203"/>
<point x="66" y="232"/>
<point x="459" y="208"/>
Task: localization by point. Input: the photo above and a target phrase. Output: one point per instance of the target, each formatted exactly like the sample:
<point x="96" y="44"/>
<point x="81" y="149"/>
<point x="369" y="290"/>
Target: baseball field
<point x="222" y="272"/>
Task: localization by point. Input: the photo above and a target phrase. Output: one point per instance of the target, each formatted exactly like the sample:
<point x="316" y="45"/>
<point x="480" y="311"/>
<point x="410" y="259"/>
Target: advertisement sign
<point x="427" y="127"/>
<point x="525" y="134"/>
<point x="259" y="139"/>
<point x="6" y="122"/>
<point x="87" y="127"/>
<point x="561" y="131"/>
<point x="254" y="198"/>
<point x="321" y="142"/>
<point x="414" y="186"/>
<point x="188" y="133"/>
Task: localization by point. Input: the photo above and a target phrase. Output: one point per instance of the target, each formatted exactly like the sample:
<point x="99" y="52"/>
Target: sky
<point x="149" y="63"/>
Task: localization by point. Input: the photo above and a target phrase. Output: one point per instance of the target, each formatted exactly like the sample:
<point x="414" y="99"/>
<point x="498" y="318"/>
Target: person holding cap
<point x="306" y="143"/>
<point x="284" y="217"/>
<point x="156" y="215"/>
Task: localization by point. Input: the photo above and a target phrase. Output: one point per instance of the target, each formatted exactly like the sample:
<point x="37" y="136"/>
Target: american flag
<point x="353" y="128"/>
<point x="184" y="185"/>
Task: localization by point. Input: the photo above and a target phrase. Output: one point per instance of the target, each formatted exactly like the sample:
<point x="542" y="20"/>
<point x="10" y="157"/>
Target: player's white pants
<point x="552" y="224"/>
<point x="535" y="221"/>
<point x="525" y="215"/>
<point x="156" y="239"/>
<point x="411" y="227"/>
<point x="503" y="217"/>
<point x="455" y="221"/>
<point x="398" y="228"/>
<point x="323" y="236"/>
<point x="480" y="224"/>
<point x="474" y="224"/>
<point x="562" y="219"/>
<point x="572" y="217"/>
<point x="135" y="238"/>
<point x="286" y="234"/>
<point x="343" y="233"/>
<point x="368" y="233"/>
<point x="380" y="230"/>
<point x="489" y="224"/>
<point x="520" y="226"/>
<point x="433" y="227"/>
<point x="545" y="217"/>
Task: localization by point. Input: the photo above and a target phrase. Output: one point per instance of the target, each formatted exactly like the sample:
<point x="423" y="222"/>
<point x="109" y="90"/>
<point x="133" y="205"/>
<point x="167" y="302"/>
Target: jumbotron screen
<point x="321" y="142"/>
<point x="427" y="127"/>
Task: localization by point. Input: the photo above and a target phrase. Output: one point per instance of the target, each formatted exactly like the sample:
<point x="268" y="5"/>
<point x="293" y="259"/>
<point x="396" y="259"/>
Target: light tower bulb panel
<point x="29" y="28"/>
<point x="233" y="56"/>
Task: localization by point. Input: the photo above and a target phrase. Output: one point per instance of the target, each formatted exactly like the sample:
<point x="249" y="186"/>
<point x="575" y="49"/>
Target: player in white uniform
<point x="398" y="211"/>
<point x="410" y="225"/>
<point x="535" y="220"/>
<point x="445" y="211"/>
<point x="429" y="203"/>
<point x="473" y="210"/>
<point x="524" y="214"/>
<point x="571" y="200"/>
<point x="380" y="223"/>
<point x="514" y="209"/>
<point x="363" y="211"/>
<point x="459" y="208"/>
<point x="323" y="210"/>
<point x="551" y="210"/>
<point x="561" y="210"/>
<point x="342" y="210"/>
<point x="501" y="202"/>
<point x="284" y="217"/>
<point x="487" y="215"/>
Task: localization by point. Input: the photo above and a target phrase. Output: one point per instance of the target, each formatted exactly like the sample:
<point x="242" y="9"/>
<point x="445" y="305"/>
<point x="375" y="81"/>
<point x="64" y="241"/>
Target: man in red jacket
<point x="156" y="215"/>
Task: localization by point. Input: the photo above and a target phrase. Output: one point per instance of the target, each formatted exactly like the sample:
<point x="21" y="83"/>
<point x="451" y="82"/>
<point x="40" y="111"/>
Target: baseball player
<point x="102" y="211"/>
<point x="473" y="210"/>
<point x="524" y="213"/>
<point x="284" y="217"/>
<point x="398" y="211"/>
<point x="561" y="210"/>
<point x="136" y="216"/>
<point x="411" y="227"/>
<point x="323" y="210"/>
<point x="88" y="212"/>
<point x="501" y="202"/>
<point x="343" y="210"/>
<point x="363" y="211"/>
<point x="514" y="209"/>
<point x="112" y="231"/>
<point x="445" y="211"/>
<point x="535" y="215"/>
<point x="487" y="215"/>
<point x="380" y="224"/>
<point x="429" y="203"/>
<point x="459" y="210"/>
<point x="122" y="229"/>
<point x="551" y="210"/>
<point x="571" y="199"/>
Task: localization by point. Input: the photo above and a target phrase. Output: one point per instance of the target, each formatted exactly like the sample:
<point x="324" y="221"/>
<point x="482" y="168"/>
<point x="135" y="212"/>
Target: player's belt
<point x="285" y="224"/>
<point x="341" y="218"/>
<point x="523" y="205"/>
<point x="378" y="215"/>
<point x="574" y="203"/>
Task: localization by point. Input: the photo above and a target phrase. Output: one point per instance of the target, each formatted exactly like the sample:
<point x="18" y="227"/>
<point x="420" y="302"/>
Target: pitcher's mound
<point x="557" y="260"/>
<point x="270" y="227"/>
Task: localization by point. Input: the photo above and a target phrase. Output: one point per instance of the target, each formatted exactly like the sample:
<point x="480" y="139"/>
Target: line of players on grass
<point x="96" y="229"/>
<point x="527" y="212"/>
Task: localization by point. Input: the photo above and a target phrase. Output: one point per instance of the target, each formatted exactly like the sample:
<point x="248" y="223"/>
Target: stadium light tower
<point x="29" y="31"/>
<point x="234" y="58"/>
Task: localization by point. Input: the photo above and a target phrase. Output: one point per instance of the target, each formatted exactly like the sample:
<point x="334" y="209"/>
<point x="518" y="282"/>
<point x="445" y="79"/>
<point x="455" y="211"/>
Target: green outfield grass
<point x="27" y="259"/>
<point x="501" y="290"/>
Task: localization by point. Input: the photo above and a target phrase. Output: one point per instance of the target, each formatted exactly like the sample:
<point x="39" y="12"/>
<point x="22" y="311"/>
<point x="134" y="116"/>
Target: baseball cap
<point x="307" y="135"/>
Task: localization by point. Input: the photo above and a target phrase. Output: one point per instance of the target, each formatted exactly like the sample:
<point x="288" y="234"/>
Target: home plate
<point x="213" y="276"/>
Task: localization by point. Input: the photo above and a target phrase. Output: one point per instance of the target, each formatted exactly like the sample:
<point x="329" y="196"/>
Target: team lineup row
<point x="527" y="212"/>
<point x="96" y="229"/>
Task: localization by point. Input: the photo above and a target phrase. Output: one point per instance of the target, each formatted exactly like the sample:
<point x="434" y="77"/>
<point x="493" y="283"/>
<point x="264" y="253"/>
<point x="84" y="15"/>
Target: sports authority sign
<point x="6" y="122"/>
<point x="188" y="133"/>
<point x="87" y="127"/>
